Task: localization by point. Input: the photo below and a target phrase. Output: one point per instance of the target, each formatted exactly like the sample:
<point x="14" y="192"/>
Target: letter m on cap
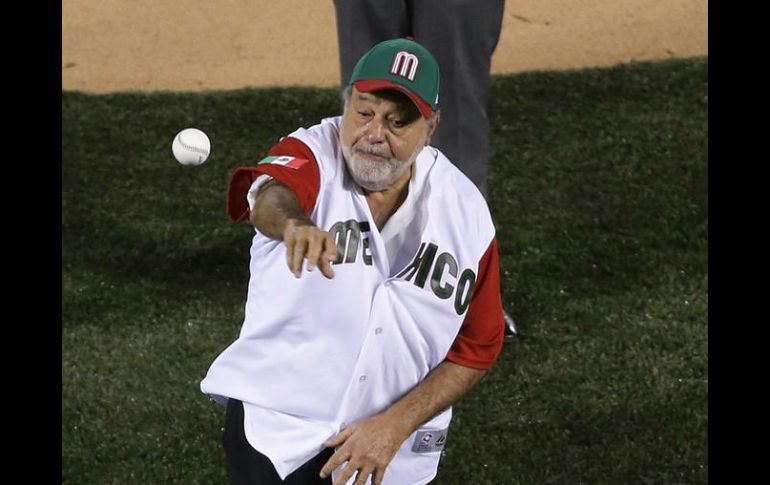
<point x="405" y="65"/>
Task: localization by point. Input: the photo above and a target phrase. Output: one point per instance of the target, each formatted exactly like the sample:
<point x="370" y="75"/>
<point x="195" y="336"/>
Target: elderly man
<point x="349" y="361"/>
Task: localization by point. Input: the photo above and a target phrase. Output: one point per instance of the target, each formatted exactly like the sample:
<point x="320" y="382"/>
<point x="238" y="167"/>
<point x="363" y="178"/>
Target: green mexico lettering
<point x="444" y="267"/>
<point x="347" y="237"/>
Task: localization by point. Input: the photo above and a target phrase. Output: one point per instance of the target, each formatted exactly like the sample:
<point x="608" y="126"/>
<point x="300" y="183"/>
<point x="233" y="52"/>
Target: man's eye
<point x="364" y="114"/>
<point x="398" y="123"/>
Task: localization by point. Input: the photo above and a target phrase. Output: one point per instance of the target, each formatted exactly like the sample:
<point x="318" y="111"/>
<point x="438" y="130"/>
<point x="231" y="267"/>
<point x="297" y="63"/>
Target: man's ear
<point x="432" y="125"/>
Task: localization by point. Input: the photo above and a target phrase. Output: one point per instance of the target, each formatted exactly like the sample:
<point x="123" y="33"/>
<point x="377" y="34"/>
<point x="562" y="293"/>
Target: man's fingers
<point x="328" y="256"/>
<point x="314" y="248"/>
<point x="326" y="268"/>
<point x="379" y="474"/>
<point x="289" y="251"/>
<point x="340" y="456"/>
<point x="341" y="437"/>
<point x="337" y="459"/>
<point x="363" y="474"/>
<point x="330" y="248"/>
<point x="313" y="244"/>
<point x="345" y="475"/>
<point x="298" y="254"/>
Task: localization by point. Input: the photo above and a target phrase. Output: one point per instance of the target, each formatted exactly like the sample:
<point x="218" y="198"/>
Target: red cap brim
<point x="371" y="85"/>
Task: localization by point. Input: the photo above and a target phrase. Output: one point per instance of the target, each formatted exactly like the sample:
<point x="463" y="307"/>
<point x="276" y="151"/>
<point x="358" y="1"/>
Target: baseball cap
<point x="403" y="65"/>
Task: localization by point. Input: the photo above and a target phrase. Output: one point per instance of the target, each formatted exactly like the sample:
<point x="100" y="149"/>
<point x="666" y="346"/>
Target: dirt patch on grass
<point x="114" y="45"/>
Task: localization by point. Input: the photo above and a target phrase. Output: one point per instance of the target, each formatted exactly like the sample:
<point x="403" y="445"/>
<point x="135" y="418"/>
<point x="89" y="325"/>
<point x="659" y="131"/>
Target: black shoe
<point x="510" y="328"/>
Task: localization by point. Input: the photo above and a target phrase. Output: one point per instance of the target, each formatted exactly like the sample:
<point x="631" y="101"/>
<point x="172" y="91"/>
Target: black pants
<point x="246" y="466"/>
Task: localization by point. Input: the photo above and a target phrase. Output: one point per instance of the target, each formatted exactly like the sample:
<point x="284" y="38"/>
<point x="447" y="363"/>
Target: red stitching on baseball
<point x="192" y="148"/>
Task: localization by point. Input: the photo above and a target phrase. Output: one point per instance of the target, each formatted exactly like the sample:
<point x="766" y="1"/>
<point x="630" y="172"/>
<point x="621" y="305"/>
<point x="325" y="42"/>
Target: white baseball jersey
<point x="315" y="355"/>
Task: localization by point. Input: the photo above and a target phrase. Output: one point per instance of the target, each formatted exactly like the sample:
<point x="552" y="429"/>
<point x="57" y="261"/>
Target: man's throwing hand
<point x="311" y="243"/>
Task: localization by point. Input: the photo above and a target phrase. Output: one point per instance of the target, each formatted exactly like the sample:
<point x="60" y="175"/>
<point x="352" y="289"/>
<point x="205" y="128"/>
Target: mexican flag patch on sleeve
<point x="290" y="162"/>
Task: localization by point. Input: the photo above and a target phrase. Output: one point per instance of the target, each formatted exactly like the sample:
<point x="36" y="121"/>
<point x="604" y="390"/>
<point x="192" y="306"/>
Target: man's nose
<point x="375" y="131"/>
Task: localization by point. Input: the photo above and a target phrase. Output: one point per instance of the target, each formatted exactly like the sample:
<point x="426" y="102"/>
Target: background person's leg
<point x="363" y="23"/>
<point x="462" y="35"/>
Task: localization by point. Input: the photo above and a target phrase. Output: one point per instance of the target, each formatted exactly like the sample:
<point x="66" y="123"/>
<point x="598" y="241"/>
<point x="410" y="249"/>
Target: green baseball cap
<point x="403" y="65"/>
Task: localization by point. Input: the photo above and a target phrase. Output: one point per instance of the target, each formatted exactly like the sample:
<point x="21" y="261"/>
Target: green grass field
<point x="599" y="188"/>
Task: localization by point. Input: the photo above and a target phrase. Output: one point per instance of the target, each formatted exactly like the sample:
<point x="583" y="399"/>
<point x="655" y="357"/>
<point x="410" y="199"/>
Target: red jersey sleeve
<point x="301" y="175"/>
<point x="480" y="339"/>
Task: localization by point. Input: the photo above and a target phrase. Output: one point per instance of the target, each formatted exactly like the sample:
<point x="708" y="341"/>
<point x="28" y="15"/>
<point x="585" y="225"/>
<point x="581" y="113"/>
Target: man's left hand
<point x="367" y="446"/>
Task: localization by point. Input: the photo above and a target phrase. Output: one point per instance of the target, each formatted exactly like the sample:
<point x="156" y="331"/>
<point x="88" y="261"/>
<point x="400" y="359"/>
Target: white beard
<point x="376" y="175"/>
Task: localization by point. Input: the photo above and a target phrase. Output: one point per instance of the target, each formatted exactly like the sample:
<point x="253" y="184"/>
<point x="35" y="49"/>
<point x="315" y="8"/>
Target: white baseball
<point x="191" y="146"/>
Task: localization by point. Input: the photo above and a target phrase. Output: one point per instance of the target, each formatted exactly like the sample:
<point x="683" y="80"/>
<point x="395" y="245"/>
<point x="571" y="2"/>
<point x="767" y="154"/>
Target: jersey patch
<point x="429" y="441"/>
<point x="290" y="162"/>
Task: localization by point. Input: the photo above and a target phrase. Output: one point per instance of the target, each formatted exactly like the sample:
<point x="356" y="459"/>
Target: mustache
<point x="372" y="151"/>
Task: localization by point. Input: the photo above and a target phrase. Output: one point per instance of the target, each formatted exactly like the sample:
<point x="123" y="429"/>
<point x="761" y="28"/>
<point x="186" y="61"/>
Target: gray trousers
<point x="462" y="35"/>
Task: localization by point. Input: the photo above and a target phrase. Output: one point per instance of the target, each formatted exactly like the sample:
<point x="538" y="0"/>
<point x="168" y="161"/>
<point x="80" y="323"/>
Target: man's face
<point x="382" y="133"/>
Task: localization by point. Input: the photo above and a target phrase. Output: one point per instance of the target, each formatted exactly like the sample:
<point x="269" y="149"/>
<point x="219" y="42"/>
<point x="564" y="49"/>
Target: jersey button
<point x="362" y="379"/>
<point x="377" y="330"/>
